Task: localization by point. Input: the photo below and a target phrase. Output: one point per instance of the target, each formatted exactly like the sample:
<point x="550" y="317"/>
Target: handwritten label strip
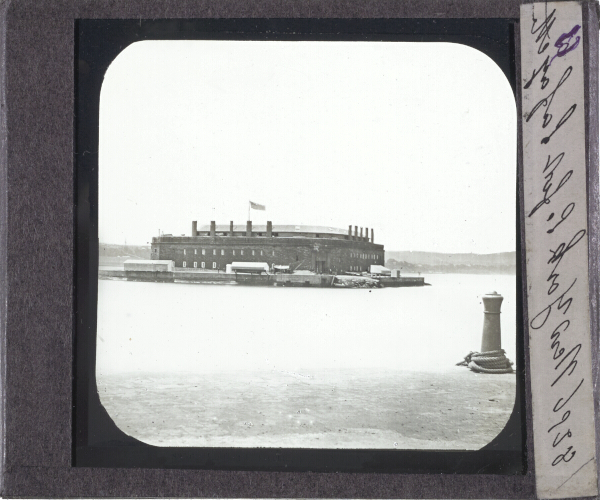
<point x="557" y="249"/>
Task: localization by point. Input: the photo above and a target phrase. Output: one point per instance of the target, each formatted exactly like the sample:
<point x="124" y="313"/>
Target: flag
<point x="256" y="206"/>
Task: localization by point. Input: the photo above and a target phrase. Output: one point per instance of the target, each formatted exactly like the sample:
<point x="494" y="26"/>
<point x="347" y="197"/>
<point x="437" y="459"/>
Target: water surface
<point x="220" y="365"/>
<point x="165" y="327"/>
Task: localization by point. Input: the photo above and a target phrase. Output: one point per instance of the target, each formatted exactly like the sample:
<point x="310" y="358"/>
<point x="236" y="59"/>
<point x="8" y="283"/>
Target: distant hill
<point x="432" y="262"/>
<point x="112" y="255"/>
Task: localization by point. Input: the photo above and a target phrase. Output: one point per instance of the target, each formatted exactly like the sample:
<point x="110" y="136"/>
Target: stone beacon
<point x="491" y="337"/>
<point x="492" y="358"/>
<point x="319" y="249"/>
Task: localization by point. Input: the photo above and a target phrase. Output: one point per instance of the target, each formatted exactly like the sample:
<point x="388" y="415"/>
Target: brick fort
<point x="311" y="248"/>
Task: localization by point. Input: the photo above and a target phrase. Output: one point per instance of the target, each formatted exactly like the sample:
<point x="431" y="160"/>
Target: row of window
<point x="214" y="266"/>
<point x="363" y="256"/>
<point x="215" y="251"/>
<point x="222" y="252"/>
<point x="202" y="264"/>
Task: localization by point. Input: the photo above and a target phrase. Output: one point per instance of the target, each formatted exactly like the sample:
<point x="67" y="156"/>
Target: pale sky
<point x="415" y="140"/>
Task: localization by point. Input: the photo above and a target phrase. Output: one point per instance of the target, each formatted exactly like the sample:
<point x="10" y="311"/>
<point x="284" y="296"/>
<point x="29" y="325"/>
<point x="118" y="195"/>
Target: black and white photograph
<point x="307" y="244"/>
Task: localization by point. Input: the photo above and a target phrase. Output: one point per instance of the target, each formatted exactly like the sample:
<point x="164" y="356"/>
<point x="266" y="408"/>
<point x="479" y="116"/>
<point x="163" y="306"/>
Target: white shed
<point x="149" y="265"/>
<point x="249" y="267"/>
<point x="380" y="270"/>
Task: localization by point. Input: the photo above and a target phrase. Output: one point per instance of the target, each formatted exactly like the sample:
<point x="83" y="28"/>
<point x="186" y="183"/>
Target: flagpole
<point x="248" y="211"/>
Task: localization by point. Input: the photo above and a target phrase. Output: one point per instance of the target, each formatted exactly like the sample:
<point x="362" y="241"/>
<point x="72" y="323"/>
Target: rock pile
<point x="356" y="282"/>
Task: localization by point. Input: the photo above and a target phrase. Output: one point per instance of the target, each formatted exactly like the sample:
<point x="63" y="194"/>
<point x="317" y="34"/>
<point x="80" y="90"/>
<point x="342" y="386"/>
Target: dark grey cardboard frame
<point x="98" y="442"/>
<point x="37" y="259"/>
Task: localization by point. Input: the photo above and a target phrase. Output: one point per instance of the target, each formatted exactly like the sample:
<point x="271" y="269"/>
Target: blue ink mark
<point x="563" y="44"/>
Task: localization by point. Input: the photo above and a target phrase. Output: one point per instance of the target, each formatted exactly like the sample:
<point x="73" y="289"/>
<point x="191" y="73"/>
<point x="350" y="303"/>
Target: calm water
<point x="160" y="327"/>
<point x="202" y="365"/>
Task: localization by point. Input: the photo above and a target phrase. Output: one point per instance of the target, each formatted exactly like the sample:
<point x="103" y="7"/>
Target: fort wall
<point x="298" y="252"/>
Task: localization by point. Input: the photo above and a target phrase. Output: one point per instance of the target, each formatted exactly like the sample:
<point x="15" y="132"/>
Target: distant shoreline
<point x="408" y="268"/>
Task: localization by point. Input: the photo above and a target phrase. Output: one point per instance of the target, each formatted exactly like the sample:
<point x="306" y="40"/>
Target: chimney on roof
<point x="269" y="229"/>
<point x="194" y="228"/>
<point x="213" y="228"/>
<point x="231" y="228"/>
<point x="355" y="232"/>
<point x="372" y="236"/>
<point x="249" y="228"/>
<point x="349" y="232"/>
<point x="366" y="234"/>
<point x="361" y="236"/>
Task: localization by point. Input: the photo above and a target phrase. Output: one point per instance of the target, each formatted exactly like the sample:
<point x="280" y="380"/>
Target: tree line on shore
<point x="466" y="263"/>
